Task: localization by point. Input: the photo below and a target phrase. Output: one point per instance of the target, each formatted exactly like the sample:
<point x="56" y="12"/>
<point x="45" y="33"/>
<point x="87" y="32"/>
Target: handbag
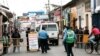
<point x="21" y="40"/>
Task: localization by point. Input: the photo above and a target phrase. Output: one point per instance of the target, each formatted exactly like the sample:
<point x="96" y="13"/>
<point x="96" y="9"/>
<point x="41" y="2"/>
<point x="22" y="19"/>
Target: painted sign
<point x="33" y="41"/>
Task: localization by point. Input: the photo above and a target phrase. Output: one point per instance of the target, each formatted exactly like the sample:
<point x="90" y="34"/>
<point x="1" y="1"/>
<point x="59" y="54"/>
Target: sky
<point x="20" y="6"/>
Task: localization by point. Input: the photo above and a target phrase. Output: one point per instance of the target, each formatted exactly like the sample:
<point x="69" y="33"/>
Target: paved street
<point x="55" y="51"/>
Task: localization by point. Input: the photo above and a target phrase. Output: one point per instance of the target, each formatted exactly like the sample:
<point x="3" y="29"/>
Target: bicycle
<point x="89" y="47"/>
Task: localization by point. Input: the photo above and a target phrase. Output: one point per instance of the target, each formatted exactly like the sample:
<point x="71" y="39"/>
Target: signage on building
<point x="36" y="13"/>
<point x="42" y="17"/>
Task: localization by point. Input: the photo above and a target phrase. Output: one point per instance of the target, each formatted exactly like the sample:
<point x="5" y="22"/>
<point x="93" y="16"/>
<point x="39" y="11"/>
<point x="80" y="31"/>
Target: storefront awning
<point x="6" y="14"/>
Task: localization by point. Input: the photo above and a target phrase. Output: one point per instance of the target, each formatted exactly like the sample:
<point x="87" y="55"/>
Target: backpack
<point x="70" y="38"/>
<point x="5" y="39"/>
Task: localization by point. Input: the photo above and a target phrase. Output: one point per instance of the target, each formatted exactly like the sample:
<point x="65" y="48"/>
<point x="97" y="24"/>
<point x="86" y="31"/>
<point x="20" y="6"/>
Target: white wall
<point x="89" y="20"/>
<point x="81" y="12"/>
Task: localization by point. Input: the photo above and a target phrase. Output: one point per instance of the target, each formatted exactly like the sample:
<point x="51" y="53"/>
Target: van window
<point x="50" y="27"/>
<point x="38" y="29"/>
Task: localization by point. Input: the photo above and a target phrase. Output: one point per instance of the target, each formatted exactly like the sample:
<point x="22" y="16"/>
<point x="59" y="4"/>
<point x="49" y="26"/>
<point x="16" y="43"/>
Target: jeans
<point x="65" y="46"/>
<point x="95" y="39"/>
<point x="16" y="44"/>
<point x="44" y="45"/>
<point x="27" y="44"/>
<point x="69" y="49"/>
<point x="91" y="39"/>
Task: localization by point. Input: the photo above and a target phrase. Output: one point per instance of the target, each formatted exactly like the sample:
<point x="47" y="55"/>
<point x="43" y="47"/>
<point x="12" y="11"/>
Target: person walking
<point x="16" y="40"/>
<point x="27" y="32"/>
<point x="43" y="38"/>
<point x="80" y="38"/>
<point x="76" y="30"/>
<point x="70" y="39"/>
<point x="6" y="42"/>
<point x="64" y="35"/>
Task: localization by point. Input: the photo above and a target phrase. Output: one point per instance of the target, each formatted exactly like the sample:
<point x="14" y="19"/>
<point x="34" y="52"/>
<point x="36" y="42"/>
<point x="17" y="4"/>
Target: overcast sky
<point x="20" y="6"/>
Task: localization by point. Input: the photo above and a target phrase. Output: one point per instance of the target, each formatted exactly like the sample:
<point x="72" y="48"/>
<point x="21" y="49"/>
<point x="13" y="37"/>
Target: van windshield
<point x="50" y="27"/>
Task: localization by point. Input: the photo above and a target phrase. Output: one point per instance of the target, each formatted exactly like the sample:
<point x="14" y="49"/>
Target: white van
<point x="52" y="30"/>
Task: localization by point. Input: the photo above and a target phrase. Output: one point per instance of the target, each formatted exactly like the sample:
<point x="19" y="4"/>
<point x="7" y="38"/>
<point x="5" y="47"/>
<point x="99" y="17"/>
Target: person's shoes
<point x="48" y="49"/>
<point x="4" y="53"/>
<point x="42" y="52"/>
<point x="28" y="50"/>
<point x="95" y="45"/>
<point x="46" y="52"/>
<point x="38" y="50"/>
<point x="13" y="51"/>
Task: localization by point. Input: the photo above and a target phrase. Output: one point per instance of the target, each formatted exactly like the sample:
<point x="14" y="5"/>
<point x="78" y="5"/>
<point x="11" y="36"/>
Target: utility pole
<point x="61" y="24"/>
<point x="49" y="9"/>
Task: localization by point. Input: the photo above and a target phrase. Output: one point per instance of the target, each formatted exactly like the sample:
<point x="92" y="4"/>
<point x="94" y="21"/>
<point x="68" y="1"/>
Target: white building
<point x="84" y="14"/>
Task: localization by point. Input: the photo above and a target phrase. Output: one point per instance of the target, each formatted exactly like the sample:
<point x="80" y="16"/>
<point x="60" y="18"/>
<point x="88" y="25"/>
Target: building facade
<point x="84" y="14"/>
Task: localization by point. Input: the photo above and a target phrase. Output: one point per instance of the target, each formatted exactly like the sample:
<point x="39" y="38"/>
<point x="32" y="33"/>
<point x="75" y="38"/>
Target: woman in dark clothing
<point x="76" y="30"/>
<point x="27" y="32"/>
<point x="86" y="31"/>
<point x="16" y="40"/>
<point x="6" y="41"/>
<point x="80" y="39"/>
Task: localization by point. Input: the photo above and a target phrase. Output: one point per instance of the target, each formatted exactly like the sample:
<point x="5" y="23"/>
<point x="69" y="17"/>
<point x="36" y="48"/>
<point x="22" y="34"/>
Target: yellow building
<point x="73" y="17"/>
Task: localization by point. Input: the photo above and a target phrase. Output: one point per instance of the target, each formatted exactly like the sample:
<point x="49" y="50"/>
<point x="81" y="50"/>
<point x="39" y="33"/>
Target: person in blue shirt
<point x="43" y="38"/>
<point x="64" y="35"/>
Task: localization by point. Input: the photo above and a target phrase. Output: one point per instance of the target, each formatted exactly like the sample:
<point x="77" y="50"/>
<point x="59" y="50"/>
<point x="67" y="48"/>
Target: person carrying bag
<point x="6" y="42"/>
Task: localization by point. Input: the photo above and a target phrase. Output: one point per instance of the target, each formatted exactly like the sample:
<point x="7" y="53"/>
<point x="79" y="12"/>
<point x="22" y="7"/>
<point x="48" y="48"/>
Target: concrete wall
<point x="81" y="12"/>
<point x="73" y="16"/>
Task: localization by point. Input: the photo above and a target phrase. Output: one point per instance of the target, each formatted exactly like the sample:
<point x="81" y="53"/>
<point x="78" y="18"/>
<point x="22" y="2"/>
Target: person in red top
<point x="95" y="37"/>
<point x="95" y="32"/>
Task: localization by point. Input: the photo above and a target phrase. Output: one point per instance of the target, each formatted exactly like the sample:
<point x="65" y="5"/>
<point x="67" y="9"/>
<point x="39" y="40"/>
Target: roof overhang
<point x="6" y="14"/>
